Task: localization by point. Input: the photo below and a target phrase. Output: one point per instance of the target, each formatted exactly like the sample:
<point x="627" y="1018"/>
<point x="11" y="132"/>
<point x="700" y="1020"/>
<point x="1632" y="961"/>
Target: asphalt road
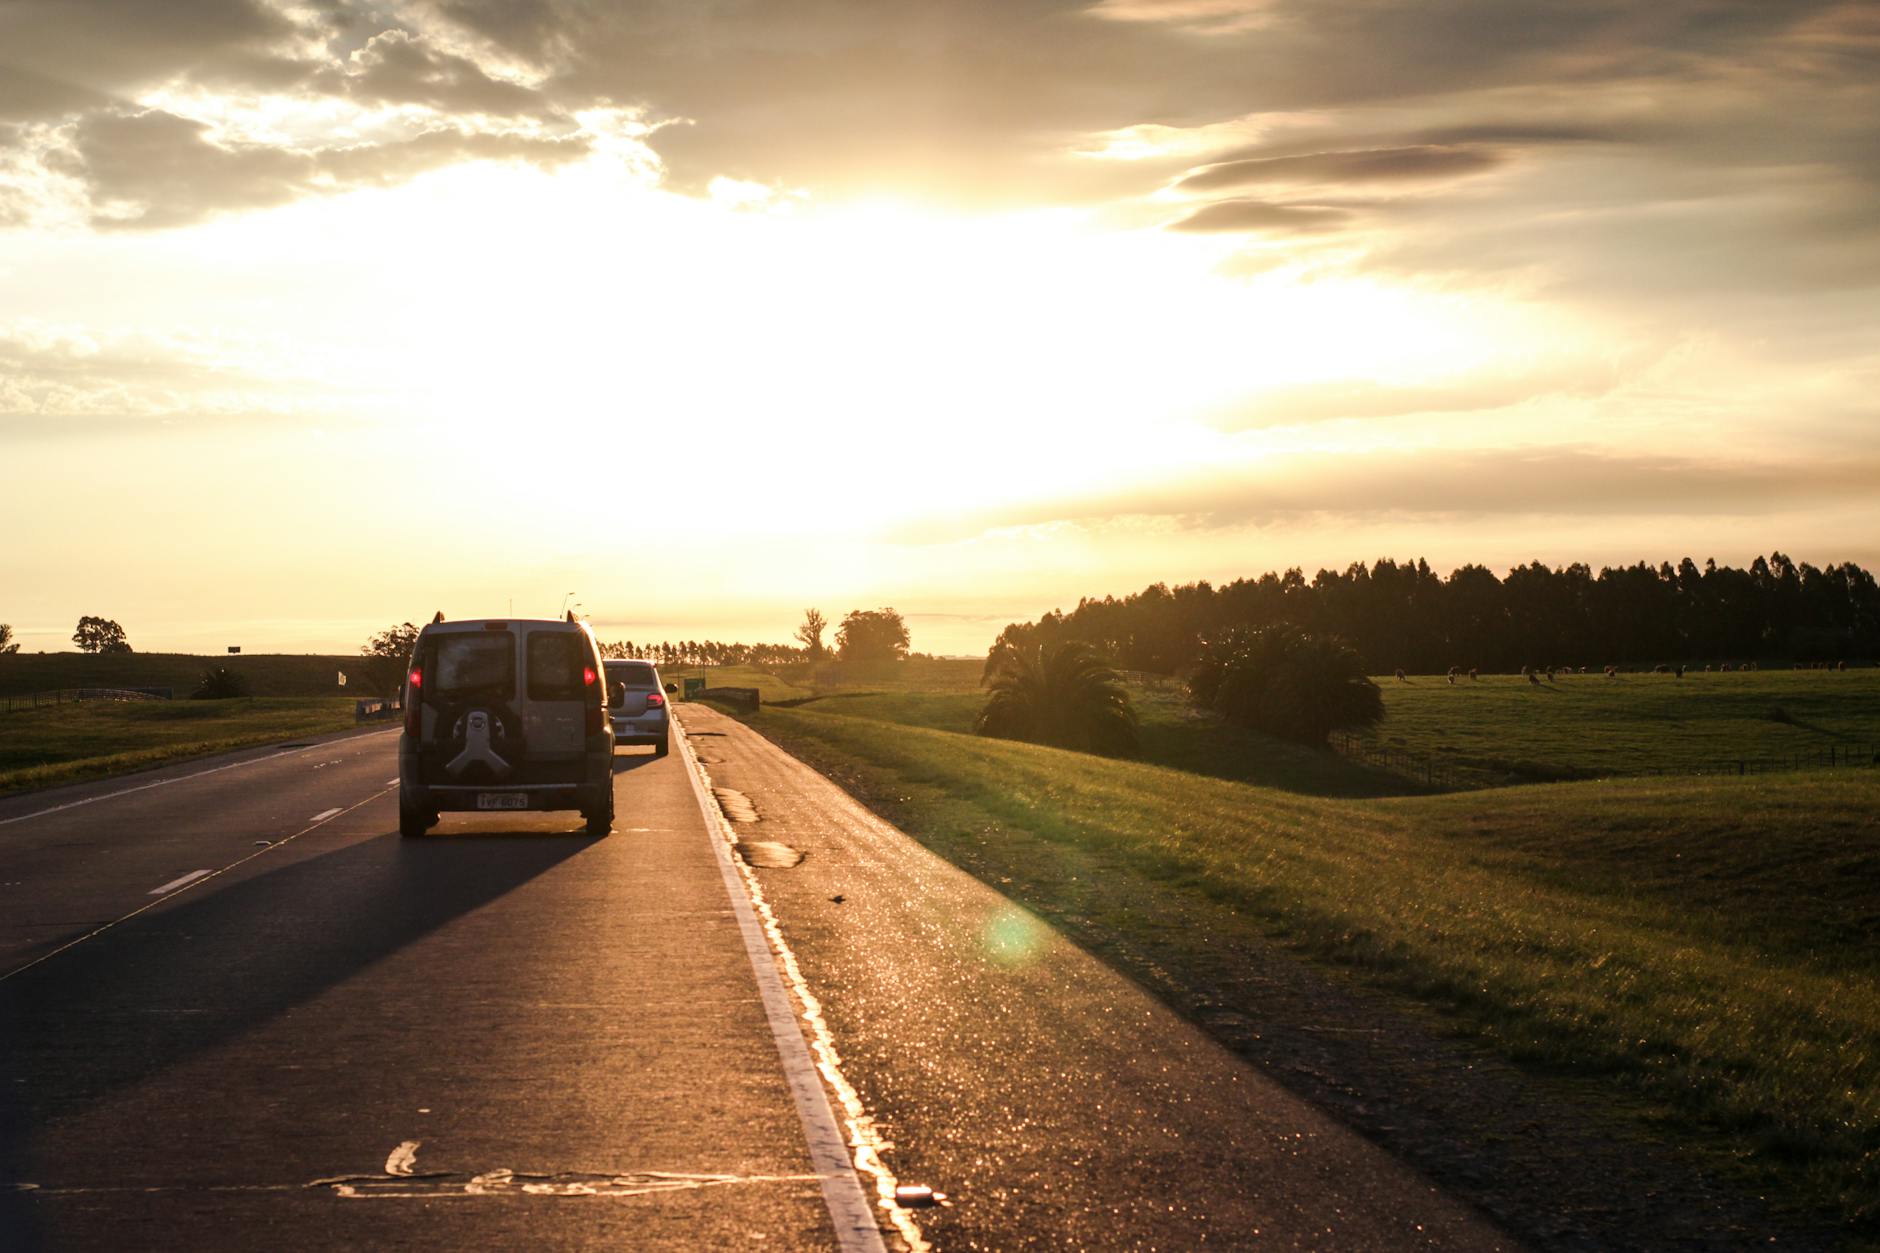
<point x="505" y="994"/>
<point x="238" y="1011"/>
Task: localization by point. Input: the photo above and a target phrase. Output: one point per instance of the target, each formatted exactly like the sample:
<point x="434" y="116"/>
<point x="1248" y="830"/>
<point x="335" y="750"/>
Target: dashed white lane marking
<point x="183" y="882"/>
<point x="391" y="783"/>
<point x="403" y="1159"/>
<point x="324" y="814"/>
<point x="283" y="842"/>
<point x="855" y="1227"/>
<point x="181" y="778"/>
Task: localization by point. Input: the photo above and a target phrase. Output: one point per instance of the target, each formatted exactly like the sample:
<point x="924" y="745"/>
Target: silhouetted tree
<point x="872" y="635"/>
<point x="8" y="646"/>
<point x="1286" y="682"/>
<point x="1063" y="694"/>
<point x="811" y="633"/>
<point x="1402" y="615"/>
<point x="386" y="655"/>
<point x="100" y="635"/>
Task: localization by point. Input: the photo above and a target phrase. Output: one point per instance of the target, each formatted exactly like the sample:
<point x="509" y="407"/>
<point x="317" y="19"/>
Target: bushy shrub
<point x="220" y="683"/>
<point x="1062" y="694"/>
<point x="1286" y="682"/>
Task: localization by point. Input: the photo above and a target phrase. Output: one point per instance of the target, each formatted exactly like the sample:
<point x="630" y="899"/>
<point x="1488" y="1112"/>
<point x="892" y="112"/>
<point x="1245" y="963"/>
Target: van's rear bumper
<point x="592" y="793"/>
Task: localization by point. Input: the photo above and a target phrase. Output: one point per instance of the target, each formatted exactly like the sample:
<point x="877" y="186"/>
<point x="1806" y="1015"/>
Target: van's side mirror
<point x="671" y="688"/>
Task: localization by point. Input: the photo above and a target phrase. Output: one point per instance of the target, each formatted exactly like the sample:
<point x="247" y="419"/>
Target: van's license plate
<point x="502" y="800"/>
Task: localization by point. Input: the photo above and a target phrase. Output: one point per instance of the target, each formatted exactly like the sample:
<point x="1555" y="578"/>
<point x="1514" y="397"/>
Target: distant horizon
<point x="933" y="631"/>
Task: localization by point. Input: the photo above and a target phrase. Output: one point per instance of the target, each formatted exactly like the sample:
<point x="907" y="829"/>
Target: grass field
<point x="268" y="674"/>
<point x="1502" y="729"/>
<point x="1705" y="952"/>
<point x="71" y="743"/>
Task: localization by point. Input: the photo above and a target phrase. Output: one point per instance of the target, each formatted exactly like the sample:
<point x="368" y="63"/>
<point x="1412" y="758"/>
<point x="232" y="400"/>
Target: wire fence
<point x="77" y="695"/>
<point x="1435" y="772"/>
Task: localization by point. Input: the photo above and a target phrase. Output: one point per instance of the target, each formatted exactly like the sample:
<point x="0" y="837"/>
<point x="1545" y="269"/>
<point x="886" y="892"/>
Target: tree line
<point x="1406" y="616"/>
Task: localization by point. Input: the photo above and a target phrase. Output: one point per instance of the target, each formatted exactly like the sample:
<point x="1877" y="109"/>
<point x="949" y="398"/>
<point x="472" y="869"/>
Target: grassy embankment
<point x="268" y="674"/>
<point x="1703" y="948"/>
<point x="1503" y="729"/>
<point x="71" y="743"/>
<point x="293" y="696"/>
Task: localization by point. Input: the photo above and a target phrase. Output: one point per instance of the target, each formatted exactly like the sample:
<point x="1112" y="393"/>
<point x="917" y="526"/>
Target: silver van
<point x="505" y="714"/>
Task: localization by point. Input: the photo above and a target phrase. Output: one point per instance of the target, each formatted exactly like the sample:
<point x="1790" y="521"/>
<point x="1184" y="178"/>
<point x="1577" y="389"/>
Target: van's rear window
<point x="480" y="664"/>
<point x="632" y="673"/>
<point x="555" y="662"/>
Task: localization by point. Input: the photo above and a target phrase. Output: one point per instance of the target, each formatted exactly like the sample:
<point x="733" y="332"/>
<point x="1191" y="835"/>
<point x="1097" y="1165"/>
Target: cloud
<point x="1504" y="484"/>
<point x="1375" y="165"/>
<point x="1261" y="215"/>
<point x="397" y="67"/>
<point x="156" y="169"/>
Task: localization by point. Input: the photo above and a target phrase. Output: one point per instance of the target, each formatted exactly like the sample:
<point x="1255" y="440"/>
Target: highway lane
<point x="504" y="1034"/>
<point x="78" y="858"/>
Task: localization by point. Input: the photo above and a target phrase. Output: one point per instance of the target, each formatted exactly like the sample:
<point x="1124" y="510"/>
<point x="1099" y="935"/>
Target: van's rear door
<point x="554" y="713"/>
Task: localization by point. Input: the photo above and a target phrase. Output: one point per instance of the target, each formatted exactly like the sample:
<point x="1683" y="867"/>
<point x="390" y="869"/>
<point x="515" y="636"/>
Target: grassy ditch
<point x="1701" y="948"/>
<point x="71" y="743"/>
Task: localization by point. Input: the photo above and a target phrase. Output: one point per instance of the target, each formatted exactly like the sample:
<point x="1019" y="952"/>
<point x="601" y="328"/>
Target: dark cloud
<point x="58" y="50"/>
<point x="155" y="169"/>
<point x="984" y="102"/>
<point x="1260" y="215"/>
<point x="1372" y="165"/>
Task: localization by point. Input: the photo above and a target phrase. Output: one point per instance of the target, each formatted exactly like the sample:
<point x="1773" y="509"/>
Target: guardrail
<point x="77" y="695"/>
<point x="375" y="708"/>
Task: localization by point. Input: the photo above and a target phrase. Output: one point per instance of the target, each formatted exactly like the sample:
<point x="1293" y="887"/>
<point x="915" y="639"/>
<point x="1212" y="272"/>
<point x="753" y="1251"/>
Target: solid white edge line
<point x="181" y="778"/>
<point x="184" y="881"/>
<point x="324" y="814"/>
<point x="854" y="1218"/>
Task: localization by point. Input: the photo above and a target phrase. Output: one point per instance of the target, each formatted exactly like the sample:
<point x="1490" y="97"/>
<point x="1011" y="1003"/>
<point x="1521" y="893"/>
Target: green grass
<point x="70" y="743"/>
<point x="267" y="674"/>
<point x="1503" y="729"/>
<point x="1699" y="950"/>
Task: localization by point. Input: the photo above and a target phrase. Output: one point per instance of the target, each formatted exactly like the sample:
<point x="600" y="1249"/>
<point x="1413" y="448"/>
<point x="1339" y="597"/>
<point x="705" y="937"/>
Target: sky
<point x="320" y="316"/>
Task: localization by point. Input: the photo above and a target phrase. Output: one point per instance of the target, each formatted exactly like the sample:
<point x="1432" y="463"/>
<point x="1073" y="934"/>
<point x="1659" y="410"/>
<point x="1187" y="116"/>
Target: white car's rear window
<point x="632" y="674"/>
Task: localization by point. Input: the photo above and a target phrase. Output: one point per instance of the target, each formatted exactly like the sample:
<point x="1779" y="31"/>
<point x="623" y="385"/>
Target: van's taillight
<point x="588" y="677"/>
<point x="414" y="713"/>
<point x="591" y="680"/>
<point x="654" y="699"/>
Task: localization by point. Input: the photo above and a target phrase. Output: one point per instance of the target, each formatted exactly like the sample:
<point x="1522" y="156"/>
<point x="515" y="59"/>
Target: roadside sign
<point x="692" y="687"/>
<point x="234" y="648"/>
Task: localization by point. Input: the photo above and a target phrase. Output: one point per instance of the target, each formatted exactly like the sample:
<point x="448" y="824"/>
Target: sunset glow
<point x="313" y="320"/>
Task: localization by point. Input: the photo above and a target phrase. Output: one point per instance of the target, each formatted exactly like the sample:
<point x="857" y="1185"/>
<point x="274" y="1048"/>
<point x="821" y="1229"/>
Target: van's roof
<point x="491" y="624"/>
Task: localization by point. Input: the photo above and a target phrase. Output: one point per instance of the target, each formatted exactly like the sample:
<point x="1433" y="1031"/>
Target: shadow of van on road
<point x="155" y="991"/>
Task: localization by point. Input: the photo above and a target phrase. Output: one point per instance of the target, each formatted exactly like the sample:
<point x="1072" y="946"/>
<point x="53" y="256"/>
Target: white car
<point x="637" y="703"/>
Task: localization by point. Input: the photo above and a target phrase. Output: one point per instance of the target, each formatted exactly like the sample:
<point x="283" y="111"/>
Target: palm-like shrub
<point x="1063" y="694"/>
<point x="1286" y="682"/>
